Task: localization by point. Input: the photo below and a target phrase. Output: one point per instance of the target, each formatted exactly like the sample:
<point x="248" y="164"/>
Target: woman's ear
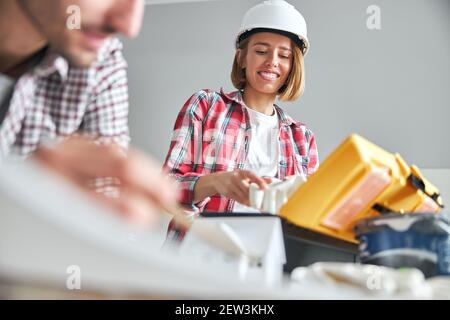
<point x="241" y="63"/>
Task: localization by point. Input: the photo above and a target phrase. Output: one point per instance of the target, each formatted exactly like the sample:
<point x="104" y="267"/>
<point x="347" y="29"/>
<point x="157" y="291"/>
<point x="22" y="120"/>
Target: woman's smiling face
<point x="268" y="62"/>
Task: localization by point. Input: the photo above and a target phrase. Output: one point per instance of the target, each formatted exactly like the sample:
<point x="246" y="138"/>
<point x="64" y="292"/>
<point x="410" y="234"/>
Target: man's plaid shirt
<point x="55" y="100"/>
<point x="212" y="133"/>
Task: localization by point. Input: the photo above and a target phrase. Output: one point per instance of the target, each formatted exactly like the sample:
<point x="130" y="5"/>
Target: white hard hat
<point x="275" y="16"/>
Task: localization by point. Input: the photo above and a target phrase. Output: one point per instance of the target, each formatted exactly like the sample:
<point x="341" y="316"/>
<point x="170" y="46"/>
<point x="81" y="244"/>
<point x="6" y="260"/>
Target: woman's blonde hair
<point x="295" y="82"/>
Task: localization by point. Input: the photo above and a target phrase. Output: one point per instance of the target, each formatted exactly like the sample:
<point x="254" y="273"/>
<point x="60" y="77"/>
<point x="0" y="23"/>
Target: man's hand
<point x="144" y="190"/>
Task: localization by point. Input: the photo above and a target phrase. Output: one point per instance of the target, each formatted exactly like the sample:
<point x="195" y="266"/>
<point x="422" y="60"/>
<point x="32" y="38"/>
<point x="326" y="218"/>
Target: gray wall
<point x="390" y="85"/>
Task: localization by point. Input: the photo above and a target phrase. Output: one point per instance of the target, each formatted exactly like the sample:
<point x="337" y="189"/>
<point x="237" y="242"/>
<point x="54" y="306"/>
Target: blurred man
<point x="58" y="80"/>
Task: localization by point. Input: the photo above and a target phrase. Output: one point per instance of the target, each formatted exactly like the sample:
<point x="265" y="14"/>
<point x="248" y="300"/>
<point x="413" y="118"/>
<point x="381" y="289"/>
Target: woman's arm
<point x="313" y="154"/>
<point x="185" y="149"/>
<point x="185" y="153"/>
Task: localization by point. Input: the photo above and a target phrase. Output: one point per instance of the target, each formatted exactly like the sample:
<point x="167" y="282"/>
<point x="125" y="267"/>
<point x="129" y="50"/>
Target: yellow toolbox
<point x="359" y="180"/>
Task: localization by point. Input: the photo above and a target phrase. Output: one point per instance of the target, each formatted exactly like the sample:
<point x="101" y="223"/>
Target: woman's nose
<point x="272" y="61"/>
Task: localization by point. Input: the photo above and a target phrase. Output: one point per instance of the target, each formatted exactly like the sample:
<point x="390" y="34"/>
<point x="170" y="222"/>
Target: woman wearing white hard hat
<point x="222" y="142"/>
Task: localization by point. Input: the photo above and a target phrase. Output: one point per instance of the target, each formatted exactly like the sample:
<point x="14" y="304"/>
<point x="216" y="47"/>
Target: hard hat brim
<point x="299" y="41"/>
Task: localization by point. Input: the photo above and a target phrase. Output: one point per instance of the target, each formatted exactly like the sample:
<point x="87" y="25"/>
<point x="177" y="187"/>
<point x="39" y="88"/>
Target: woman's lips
<point x="268" y="76"/>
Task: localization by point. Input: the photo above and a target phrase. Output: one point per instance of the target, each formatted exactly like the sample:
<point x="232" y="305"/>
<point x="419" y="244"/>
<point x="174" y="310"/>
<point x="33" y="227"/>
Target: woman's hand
<point x="236" y="184"/>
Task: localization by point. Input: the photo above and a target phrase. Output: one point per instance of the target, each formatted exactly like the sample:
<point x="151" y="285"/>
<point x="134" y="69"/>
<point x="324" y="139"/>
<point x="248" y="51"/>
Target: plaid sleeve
<point x="313" y="155"/>
<point x="185" y="149"/>
<point x="106" y="116"/>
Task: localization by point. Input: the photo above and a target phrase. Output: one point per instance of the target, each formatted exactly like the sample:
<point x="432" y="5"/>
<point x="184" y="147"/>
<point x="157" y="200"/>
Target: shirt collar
<point x="236" y="96"/>
<point x="285" y="119"/>
<point x="53" y="63"/>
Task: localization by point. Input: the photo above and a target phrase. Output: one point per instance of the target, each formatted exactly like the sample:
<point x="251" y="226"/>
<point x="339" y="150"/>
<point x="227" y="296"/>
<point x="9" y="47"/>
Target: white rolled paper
<point x="256" y="196"/>
<point x="275" y="195"/>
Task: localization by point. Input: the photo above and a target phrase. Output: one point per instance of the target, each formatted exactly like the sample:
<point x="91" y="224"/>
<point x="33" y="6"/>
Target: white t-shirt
<point x="263" y="153"/>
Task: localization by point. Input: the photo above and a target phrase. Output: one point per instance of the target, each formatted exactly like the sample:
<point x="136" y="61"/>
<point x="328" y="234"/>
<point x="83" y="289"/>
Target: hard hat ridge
<point x="275" y="16"/>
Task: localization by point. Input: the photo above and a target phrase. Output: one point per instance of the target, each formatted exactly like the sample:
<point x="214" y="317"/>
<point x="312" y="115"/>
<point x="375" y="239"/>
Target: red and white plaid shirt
<point x="212" y="133"/>
<point x="55" y="100"/>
